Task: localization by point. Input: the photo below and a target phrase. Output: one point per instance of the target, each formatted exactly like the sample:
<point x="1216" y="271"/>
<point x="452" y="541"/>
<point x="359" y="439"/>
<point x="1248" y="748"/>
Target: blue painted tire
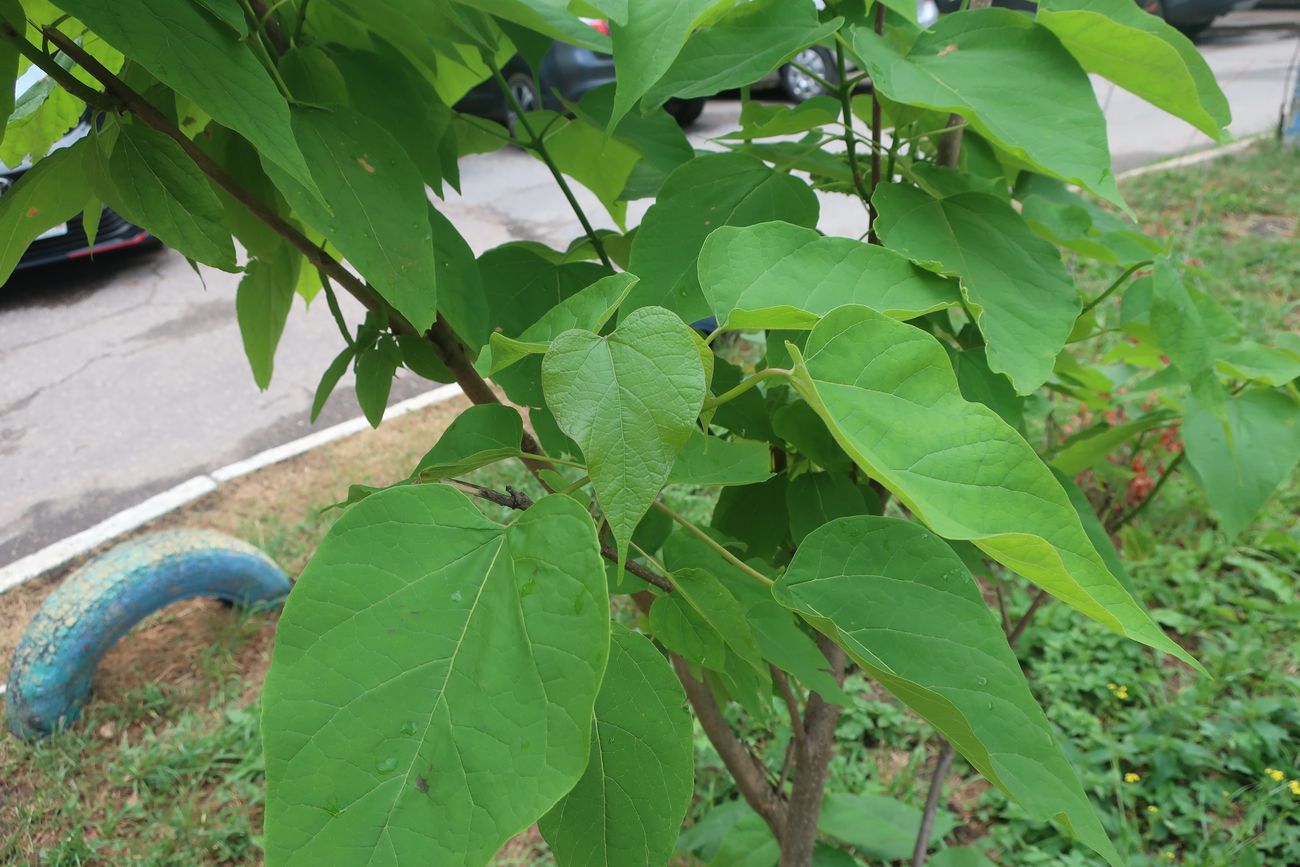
<point x="55" y="661"/>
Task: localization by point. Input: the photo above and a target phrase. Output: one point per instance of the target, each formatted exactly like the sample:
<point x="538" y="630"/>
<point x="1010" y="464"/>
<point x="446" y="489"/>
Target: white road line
<point x="55" y="555"/>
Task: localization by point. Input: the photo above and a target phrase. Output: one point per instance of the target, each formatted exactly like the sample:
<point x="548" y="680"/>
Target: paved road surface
<point x="127" y="376"/>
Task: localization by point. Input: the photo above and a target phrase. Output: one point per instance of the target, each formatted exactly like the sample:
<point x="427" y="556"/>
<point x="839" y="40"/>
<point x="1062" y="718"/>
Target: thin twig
<point x="932" y="804"/>
<point x="876" y="122"/>
<point x="1155" y="489"/>
<point x="713" y="543"/>
<point x="791" y="701"/>
<point x="1019" y="629"/>
<point x="1119" y="281"/>
<point x="850" y="139"/>
<point x="744" y="385"/>
<point x="269" y="25"/>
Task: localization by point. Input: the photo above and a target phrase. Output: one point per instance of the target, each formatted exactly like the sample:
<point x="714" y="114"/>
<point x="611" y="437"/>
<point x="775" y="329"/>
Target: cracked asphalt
<point x="122" y="377"/>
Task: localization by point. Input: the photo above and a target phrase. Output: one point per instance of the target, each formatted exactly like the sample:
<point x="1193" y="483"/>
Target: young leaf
<point x="630" y="802"/>
<point x="742" y="47"/>
<point x="630" y="401"/>
<point x="375" y="369"/>
<point x="153" y="183"/>
<point x="705" y="193"/>
<point x="481" y="435"/>
<point x="330" y="378"/>
<point x="588" y="309"/>
<point x="681" y="629"/>
<point x="374" y="210"/>
<point x="50" y="193"/>
<point x="903" y="606"/>
<point x="976" y="63"/>
<point x="228" y="13"/>
<point x="746" y="274"/>
<point x="262" y="305"/>
<point x="521" y="285"/>
<point x="889" y="396"/>
<point x="191" y="52"/>
<point x="706" y="460"/>
<point x="426" y="656"/>
<point x="1023" y="298"/>
<point x="1089" y="448"/>
<point x="461" y="299"/>
<point x="717" y="607"/>
<point x="646" y="44"/>
<point x="600" y="162"/>
<point x="1142" y="54"/>
<point x="1187" y="331"/>
<point x="551" y="17"/>
<point x="1243" y="451"/>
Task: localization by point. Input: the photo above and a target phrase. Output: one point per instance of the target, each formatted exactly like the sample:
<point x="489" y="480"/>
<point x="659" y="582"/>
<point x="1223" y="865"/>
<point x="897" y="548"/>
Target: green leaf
<point x="1241" y="457"/>
<point x="717" y="607"/>
<point x="630" y="401"/>
<point x="1067" y="219"/>
<point x="1023" y="298"/>
<point x="262" y="305"/>
<point x="799" y="425"/>
<point x="12" y="11"/>
<point x="814" y="499"/>
<point x="706" y="460"/>
<point x="422" y="359"/>
<point x="425" y="656"/>
<point x="879" y="827"/>
<point x="330" y="379"/>
<point x="228" y="13"/>
<point x="747" y="273"/>
<point x="629" y="805"/>
<point x="1089" y="448"/>
<point x="461" y="299"/>
<point x="42" y="115"/>
<point x="889" y="396"/>
<point x="681" y="629"/>
<point x="960" y="856"/>
<point x="481" y="435"/>
<point x="375" y="369"/>
<point x="903" y="606"/>
<point x="521" y="285"/>
<point x="588" y="309"/>
<point x="764" y="120"/>
<point x="394" y="95"/>
<point x="704" y="194"/>
<point x="969" y="63"/>
<point x="551" y="17"/>
<point x="1187" y="331"/>
<point x="979" y="384"/>
<point x="153" y="183"/>
<point x="754" y="515"/>
<point x="646" y="44"/>
<point x="1096" y="532"/>
<point x="748" y="843"/>
<point x="743" y="46"/>
<point x="50" y="193"/>
<point x="593" y="158"/>
<point x="1142" y="54"/>
<point x="377" y="211"/>
<point x="197" y="56"/>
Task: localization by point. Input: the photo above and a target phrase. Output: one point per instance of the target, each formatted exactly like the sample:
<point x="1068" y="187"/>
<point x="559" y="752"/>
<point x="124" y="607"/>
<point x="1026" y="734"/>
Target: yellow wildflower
<point x="1295" y="788"/>
<point x="1121" y="693"/>
<point x="1112" y="687"/>
<point x="1169" y="854"/>
<point x="1152" y="809"/>
<point x="1274" y="774"/>
<point x="1131" y="777"/>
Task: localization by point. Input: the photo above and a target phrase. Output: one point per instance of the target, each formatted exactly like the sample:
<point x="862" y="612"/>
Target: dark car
<point x="567" y="74"/>
<point x="68" y="240"/>
<point x="1192" y="17"/>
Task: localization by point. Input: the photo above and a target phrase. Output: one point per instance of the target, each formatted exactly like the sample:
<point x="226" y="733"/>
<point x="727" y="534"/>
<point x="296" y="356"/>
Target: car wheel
<point x="797" y="84"/>
<point x="1195" y="29"/>
<point x="685" y="111"/>
<point x="525" y="94"/>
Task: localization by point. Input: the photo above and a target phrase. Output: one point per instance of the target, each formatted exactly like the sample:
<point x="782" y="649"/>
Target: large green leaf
<point x="551" y="17"/>
<point x="646" y="44"/>
<point x="199" y="57"/>
<point x="704" y="194"/>
<point x="903" y="606"/>
<point x="1142" y="54"/>
<point x="706" y="460"/>
<point x="587" y="153"/>
<point x="378" y="213"/>
<point x="751" y="40"/>
<point x="889" y="396"/>
<point x="877" y="826"/>
<point x="980" y="64"/>
<point x="1090" y="447"/>
<point x="716" y="606"/>
<point x="1188" y="329"/>
<point x="630" y="401"/>
<point x="481" y="435"/>
<point x="749" y="276"/>
<point x="1023" y="298"/>
<point x="629" y="805"/>
<point x="150" y="181"/>
<point x="50" y="193"/>
<point x="522" y="285"/>
<point x="1243" y="453"/>
<point x="426" y="657"/>
<point x="262" y="305"/>
<point x="814" y="499"/>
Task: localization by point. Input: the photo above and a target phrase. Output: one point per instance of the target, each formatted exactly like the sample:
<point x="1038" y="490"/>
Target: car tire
<point x="685" y="111"/>
<point x="797" y="85"/>
<point x="1194" y="30"/>
<point x="524" y="90"/>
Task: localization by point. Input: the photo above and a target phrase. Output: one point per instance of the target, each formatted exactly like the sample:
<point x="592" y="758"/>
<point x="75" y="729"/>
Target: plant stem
<point x="269" y="25"/>
<point x="941" y="769"/>
<point x="821" y="82"/>
<point x="569" y="489"/>
<point x="1160" y="483"/>
<point x="259" y="40"/>
<point x="1119" y="281"/>
<point x="712" y="543"/>
<point x="876" y="123"/>
<point x="1019" y="629"/>
<point x="547" y="459"/>
<point x="850" y="139"/>
<point x="301" y="20"/>
<point x="537" y="145"/>
<point x="791" y="701"/>
<point x="744" y="386"/>
<point x="812" y="756"/>
<point x="51" y="67"/>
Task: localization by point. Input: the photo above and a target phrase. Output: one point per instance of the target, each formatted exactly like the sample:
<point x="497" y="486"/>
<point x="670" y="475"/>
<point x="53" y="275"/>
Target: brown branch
<point x="1019" y="629"/>
<point x="747" y="771"/>
<point x="449" y="348"/>
<point x="791" y="701"/>
<point x="269" y="26"/>
<point x="812" y="756"/>
<point x="932" y="805"/>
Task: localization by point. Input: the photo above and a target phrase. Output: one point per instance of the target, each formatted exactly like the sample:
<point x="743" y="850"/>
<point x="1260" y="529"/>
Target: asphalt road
<point x="124" y="376"/>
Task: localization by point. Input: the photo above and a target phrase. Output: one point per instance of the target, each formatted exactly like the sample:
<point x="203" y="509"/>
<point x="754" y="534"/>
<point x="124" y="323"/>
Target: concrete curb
<point x="1204" y="156"/>
<point x="57" y="554"/>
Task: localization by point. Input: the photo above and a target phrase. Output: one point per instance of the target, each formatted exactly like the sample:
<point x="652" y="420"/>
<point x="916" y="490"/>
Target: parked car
<point x="68" y="240"/>
<point x="1192" y="17"/>
<point x="568" y="72"/>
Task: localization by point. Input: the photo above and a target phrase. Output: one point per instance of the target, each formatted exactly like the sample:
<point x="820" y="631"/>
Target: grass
<point x="165" y="768"/>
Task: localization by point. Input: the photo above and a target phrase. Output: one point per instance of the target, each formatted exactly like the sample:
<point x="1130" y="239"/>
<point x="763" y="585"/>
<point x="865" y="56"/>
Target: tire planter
<point x="55" y="662"/>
